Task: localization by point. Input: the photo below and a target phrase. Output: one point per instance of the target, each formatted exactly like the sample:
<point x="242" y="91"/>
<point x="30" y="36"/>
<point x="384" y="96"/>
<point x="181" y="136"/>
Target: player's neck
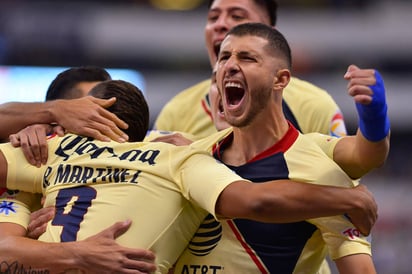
<point x="252" y="140"/>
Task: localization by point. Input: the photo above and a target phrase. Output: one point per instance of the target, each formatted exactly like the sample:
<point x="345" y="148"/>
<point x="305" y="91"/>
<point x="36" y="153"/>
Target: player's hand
<point x="39" y="220"/>
<point x="359" y="84"/>
<point x="101" y="254"/>
<point x="174" y="139"/>
<point x="32" y="140"/>
<point x="87" y="116"/>
<point x="365" y="212"/>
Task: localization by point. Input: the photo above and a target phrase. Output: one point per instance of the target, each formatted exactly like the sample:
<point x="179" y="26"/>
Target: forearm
<point x="301" y="201"/>
<point x="357" y="156"/>
<point x="285" y="201"/>
<point x="15" y="116"/>
<point x="371" y="154"/>
<point x="99" y="253"/>
<point x="27" y="254"/>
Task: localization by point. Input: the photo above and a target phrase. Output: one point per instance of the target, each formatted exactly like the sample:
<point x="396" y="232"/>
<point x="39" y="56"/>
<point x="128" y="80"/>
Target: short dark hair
<point x="270" y="6"/>
<point x="277" y="43"/>
<point x="130" y="106"/>
<point x="62" y="86"/>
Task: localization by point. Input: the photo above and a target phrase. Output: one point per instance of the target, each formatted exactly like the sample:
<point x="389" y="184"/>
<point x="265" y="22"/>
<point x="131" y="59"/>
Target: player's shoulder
<point x="318" y="137"/>
<point x="326" y="142"/>
<point x="315" y="148"/>
<point x="208" y="143"/>
<point x="310" y="142"/>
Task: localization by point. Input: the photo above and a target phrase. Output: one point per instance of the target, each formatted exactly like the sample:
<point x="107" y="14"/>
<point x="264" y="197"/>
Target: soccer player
<point x="160" y="186"/>
<point x="307" y="107"/>
<point x="253" y="69"/>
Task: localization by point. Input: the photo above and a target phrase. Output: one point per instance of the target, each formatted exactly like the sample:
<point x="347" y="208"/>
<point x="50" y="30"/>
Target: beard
<point x="259" y="101"/>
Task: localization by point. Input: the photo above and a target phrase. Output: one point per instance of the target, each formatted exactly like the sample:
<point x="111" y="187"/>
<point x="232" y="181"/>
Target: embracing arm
<point x="97" y="254"/>
<point x="284" y="201"/>
<point x="84" y="116"/>
<point x="20" y="252"/>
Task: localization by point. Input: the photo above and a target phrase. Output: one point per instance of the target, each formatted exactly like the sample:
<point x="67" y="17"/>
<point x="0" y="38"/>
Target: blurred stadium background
<point x="163" y="41"/>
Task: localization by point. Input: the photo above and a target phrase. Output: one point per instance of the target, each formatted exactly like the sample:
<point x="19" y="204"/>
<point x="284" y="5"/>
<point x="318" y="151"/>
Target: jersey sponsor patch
<point x="337" y="125"/>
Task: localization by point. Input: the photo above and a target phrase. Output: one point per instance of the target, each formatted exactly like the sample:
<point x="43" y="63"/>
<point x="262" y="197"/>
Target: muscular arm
<point x="84" y="116"/>
<point x="357" y="156"/>
<point x="287" y="201"/>
<point x="96" y="254"/>
<point x="17" y="251"/>
<point x="356" y="264"/>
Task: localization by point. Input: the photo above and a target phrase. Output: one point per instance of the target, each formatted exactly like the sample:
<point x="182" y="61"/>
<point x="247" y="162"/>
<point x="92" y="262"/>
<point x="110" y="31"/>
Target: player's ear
<point x="282" y="79"/>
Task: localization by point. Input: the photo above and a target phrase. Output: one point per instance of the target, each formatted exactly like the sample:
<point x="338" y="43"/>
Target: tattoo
<point x="15" y="268"/>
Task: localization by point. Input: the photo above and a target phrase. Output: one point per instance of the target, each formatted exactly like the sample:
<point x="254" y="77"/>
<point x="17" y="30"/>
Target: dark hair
<point x="62" y="86"/>
<point x="130" y="106"/>
<point x="277" y="43"/>
<point x="270" y="6"/>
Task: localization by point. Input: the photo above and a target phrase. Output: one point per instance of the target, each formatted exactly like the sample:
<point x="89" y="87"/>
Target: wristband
<point x="373" y="119"/>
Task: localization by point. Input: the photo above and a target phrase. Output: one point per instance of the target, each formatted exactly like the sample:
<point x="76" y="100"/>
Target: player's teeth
<point x="234" y="85"/>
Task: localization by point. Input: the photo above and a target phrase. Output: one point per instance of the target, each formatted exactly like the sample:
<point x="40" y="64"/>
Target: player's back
<point x="163" y="223"/>
<point x="93" y="184"/>
<point x="100" y="183"/>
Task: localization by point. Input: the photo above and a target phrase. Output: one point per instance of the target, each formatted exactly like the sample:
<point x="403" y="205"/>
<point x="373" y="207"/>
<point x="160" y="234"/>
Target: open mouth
<point x="234" y="93"/>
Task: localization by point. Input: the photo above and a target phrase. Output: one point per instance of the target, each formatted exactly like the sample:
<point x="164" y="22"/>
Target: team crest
<point x="7" y="207"/>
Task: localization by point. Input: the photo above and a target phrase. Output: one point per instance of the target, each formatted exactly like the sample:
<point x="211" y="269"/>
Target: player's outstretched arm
<point x="369" y="149"/>
<point x="285" y="201"/>
<point x="97" y="254"/>
<point x="85" y="116"/>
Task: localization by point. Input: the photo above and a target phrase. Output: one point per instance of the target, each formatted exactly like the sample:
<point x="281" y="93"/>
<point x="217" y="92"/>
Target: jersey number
<point x="71" y="215"/>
